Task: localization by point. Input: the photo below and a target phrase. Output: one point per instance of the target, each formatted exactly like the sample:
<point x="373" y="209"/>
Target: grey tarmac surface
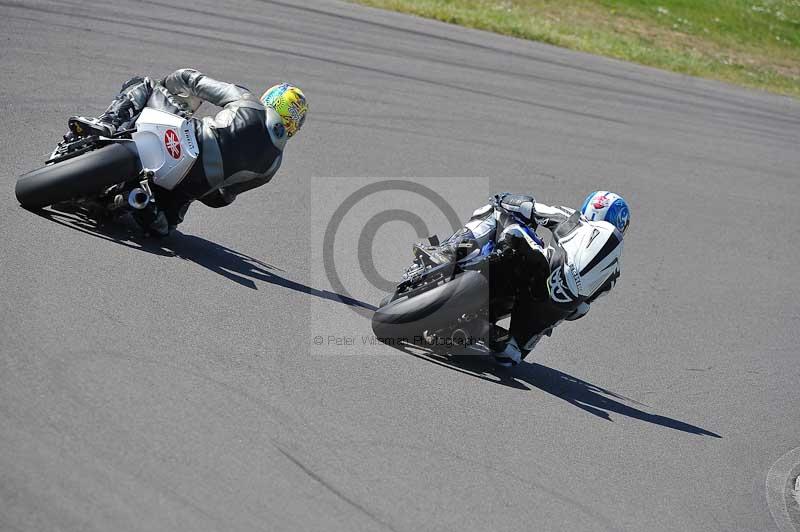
<point x="178" y="386"/>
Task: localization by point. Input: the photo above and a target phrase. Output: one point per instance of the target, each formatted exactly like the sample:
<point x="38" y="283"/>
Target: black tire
<point x="386" y="300"/>
<point x="405" y="319"/>
<point x="81" y="176"/>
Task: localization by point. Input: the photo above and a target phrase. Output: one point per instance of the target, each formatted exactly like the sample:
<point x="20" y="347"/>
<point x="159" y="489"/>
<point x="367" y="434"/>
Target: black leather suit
<point x="240" y="148"/>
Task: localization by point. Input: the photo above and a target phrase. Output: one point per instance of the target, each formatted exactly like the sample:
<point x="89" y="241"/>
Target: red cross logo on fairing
<point x="172" y="143"/>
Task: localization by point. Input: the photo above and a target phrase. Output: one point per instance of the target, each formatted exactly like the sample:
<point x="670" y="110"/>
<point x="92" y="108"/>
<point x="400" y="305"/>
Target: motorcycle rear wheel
<point x="80" y="176"/>
<point x="405" y="319"/>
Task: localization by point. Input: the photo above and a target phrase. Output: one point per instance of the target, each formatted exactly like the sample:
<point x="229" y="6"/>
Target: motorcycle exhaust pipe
<point x="138" y="198"/>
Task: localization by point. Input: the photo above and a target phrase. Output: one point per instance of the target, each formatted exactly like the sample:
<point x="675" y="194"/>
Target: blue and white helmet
<point x="609" y="207"/>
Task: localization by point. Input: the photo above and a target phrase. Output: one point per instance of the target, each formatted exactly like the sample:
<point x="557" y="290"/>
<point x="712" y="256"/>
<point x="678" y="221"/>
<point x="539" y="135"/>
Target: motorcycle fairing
<point x="167" y="146"/>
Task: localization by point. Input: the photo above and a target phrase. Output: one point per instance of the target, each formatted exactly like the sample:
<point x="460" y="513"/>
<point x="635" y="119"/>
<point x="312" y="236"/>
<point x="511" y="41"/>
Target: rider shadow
<point x="233" y="265"/>
<point x="528" y="375"/>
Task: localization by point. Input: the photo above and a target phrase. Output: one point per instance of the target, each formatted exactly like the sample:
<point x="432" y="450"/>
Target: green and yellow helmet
<point x="289" y="102"/>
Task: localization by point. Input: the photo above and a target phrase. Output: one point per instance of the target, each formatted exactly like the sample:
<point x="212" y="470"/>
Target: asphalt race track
<point x="224" y="378"/>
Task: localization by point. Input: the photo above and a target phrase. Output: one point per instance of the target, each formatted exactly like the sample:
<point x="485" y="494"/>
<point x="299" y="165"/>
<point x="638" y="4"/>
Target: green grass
<point x="755" y="43"/>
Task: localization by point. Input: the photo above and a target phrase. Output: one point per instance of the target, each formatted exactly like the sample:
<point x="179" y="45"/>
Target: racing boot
<point x="153" y="221"/>
<point x="119" y="111"/>
<point x="510" y="355"/>
<point x="434" y="255"/>
<point x="81" y="126"/>
<point x="454" y="249"/>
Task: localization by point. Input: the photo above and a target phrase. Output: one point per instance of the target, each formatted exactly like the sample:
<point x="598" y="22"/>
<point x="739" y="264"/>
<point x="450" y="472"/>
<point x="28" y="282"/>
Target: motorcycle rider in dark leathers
<point x="241" y="148"/>
<point x="543" y="298"/>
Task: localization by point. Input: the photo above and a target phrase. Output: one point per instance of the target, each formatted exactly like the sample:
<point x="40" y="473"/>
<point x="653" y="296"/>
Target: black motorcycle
<point x="453" y="307"/>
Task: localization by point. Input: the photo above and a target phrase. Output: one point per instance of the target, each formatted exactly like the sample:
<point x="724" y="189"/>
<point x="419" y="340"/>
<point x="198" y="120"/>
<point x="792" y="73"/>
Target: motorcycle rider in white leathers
<point x="240" y="148"/>
<point x="552" y="283"/>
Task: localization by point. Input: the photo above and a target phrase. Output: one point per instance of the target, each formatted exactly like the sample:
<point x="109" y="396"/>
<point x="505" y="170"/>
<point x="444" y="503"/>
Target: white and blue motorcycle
<point x="453" y="306"/>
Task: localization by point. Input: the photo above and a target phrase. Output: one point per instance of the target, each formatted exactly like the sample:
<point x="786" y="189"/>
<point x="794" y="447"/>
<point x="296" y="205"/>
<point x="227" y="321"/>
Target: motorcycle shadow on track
<point x="238" y="267"/>
<point x="529" y="375"/>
